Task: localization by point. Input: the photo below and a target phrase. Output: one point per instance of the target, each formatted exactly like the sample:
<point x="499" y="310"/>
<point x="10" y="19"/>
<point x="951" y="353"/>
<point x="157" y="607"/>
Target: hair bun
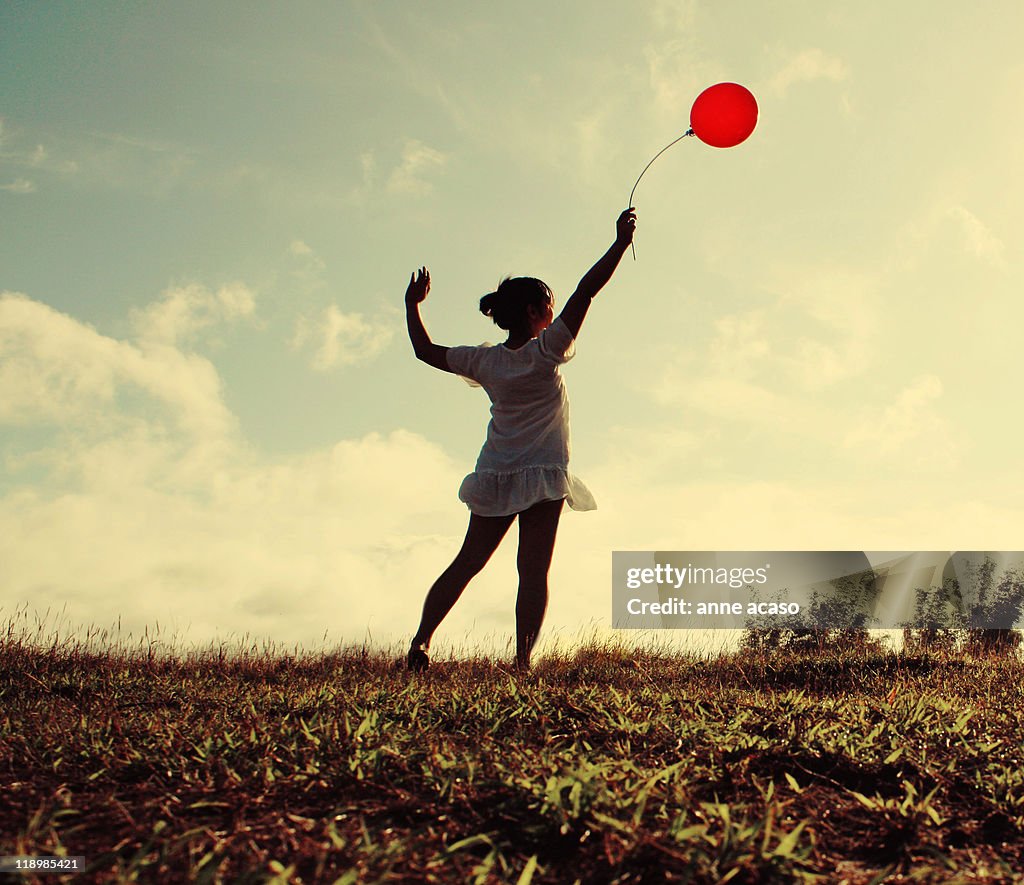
<point x="487" y="303"/>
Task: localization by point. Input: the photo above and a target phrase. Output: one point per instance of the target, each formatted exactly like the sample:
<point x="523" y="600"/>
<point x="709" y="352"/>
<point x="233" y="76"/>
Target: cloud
<point x="58" y="372"/>
<point x="782" y="374"/>
<point x="182" y="312"/>
<point x="310" y="265"/>
<point x="368" y="166"/>
<point x="806" y="66"/>
<point x="422" y="78"/>
<point x="418" y="160"/>
<point x="106" y="159"/>
<point x="332" y="541"/>
<point x="340" y="339"/>
<point x="833" y="312"/>
<point x="819" y="331"/>
<point x="19" y="186"/>
<point x="674" y="15"/>
<point x="655" y="452"/>
<point x="593" y="146"/>
<point x="129" y="493"/>
<point x="734" y="400"/>
<point x="677" y="69"/>
<point x="912" y="421"/>
<point x="951" y="227"/>
<point x="739" y="344"/>
<point x="674" y="73"/>
<point x="367" y="180"/>
<point x="331" y="336"/>
<point x="978" y="239"/>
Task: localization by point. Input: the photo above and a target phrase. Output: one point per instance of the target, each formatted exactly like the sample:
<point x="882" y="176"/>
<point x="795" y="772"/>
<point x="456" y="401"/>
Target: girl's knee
<point x="469" y="564"/>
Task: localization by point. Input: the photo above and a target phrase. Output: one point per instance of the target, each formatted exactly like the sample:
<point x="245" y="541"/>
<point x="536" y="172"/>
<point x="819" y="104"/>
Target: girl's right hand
<point x="418" y="287"/>
<point x="625" y="225"/>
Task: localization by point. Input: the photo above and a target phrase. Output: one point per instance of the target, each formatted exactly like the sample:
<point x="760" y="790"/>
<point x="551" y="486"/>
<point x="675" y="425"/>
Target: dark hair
<point x="507" y="306"/>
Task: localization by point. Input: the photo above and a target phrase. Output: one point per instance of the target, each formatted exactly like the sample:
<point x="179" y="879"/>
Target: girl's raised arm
<point x="594" y="279"/>
<point x="425" y="349"/>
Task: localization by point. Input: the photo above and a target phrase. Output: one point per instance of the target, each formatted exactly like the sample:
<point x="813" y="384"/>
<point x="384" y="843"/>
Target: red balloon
<point x="724" y="115"/>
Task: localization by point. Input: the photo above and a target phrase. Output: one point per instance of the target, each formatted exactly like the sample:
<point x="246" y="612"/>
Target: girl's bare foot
<point x="418" y="660"/>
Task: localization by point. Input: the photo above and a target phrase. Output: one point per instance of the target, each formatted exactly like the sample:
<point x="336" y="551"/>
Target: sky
<point x="212" y="425"/>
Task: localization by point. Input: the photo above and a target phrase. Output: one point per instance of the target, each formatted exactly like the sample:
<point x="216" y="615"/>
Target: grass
<point x="602" y="765"/>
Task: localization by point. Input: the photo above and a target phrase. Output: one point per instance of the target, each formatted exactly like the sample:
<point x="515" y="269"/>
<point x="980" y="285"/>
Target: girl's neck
<point x="517" y="339"/>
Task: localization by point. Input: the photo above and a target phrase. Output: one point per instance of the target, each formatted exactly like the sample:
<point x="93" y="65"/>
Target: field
<point x="602" y="765"/>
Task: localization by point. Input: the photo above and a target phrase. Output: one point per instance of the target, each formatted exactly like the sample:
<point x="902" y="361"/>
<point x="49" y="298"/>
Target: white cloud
<point x="129" y="494"/>
<point x="368" y="165"/>
<point x="832" y="312"/>
<point x="367" y="178"/>
<point x="13" y="152"/>
<point x="593" y="146"/>
<point x="739" y="345"/>
<point x="310" y="267"/>
<point x="418" y="161"/>
<point x="56" y="371"/>
<point x="733" y="399"/>
<point x="914" y="422"/>
<point x="331" y="336"/>
<point x="979" y="239"/>
<point x="19" y="186"/>
<point x="805" y="66"/>
<point x="183" y="311"/>
<point x="340" y="339"/>
<point x="781" y="373"/>
<point x="816" y="364"/>
<point x="120" y="161"/>
<point x="675" y="76"/>
<point x="674" y="67"/>
<point x="761" y="364"/>
<point x="650" y="454"/>
<point x="951" y="227"/>
<point x="333" y="540"/>
<point x="674" y="15"/>
<point x="128" y="503"/>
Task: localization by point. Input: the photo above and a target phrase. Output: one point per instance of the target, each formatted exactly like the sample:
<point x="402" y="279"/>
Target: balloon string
<point x="686" y="134"/>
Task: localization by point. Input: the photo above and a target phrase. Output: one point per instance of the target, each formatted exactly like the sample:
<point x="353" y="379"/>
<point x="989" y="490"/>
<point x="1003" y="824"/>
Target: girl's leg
<point x="537" y="528"/>
<point x="482" y="539"/>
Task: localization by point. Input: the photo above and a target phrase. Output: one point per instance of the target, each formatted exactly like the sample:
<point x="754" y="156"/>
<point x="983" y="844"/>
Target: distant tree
<point x="977" y="611"/>
<point x="939" y="620"/>
<point x="837" y="619"/>
<point x="998" y="608"/>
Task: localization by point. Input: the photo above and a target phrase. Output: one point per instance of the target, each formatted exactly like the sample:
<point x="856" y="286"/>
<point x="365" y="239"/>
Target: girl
<point x="523" y="465"/>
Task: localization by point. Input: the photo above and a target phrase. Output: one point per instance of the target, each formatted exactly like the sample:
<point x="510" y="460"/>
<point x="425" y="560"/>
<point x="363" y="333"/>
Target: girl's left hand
<point x="418" y="287"/>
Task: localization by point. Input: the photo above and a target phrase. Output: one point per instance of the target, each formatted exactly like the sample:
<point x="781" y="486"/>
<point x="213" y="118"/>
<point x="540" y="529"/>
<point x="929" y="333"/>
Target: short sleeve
<point x="464" y="361"/>
<point x="556" y="342"/>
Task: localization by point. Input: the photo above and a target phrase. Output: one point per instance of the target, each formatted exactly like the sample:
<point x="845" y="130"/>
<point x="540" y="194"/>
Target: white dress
<point x="525" y="459"/>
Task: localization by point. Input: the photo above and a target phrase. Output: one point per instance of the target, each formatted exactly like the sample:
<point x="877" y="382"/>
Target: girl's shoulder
<point x="556" y="342"/>
<point x="468" y="360"/>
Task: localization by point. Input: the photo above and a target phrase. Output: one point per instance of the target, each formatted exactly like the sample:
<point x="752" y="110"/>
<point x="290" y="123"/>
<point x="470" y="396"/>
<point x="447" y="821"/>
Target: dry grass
<point x="603" y="765"/>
